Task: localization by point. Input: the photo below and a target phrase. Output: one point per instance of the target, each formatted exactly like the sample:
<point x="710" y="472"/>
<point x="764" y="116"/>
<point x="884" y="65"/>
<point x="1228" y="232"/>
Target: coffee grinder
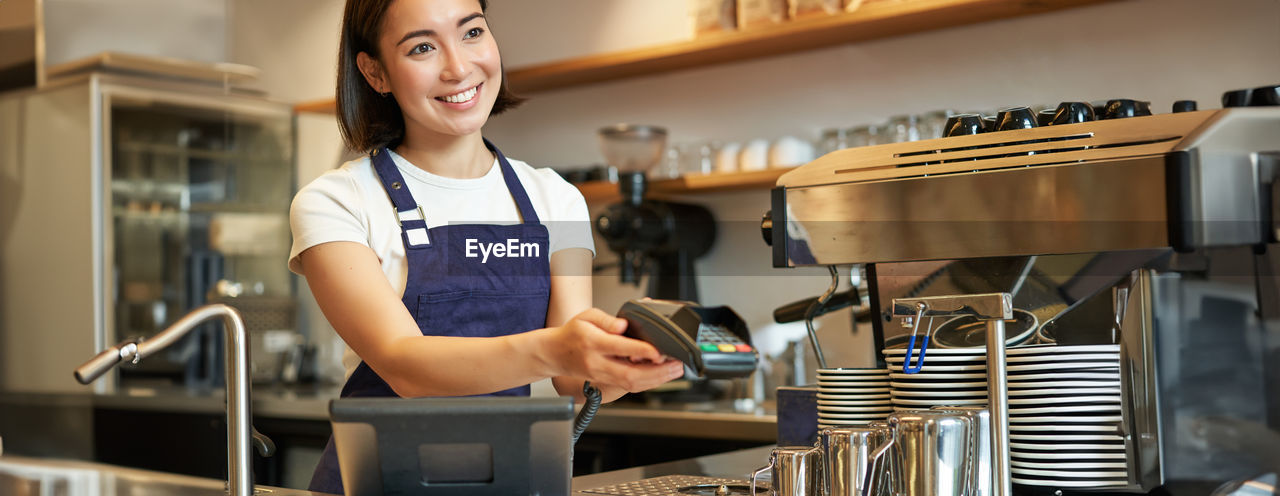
<point x="654" y="238"/>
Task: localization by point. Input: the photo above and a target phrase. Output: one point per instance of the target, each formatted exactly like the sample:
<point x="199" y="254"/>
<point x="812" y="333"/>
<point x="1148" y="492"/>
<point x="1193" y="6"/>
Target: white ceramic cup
<point x="754" y="156"/>
<point x="790" y="151"/>
<point x="727" y="158"/>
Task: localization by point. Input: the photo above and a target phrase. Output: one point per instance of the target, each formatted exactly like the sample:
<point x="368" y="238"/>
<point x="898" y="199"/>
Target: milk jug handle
<point x="873" y="468"/>
<point x="757" y="473"/>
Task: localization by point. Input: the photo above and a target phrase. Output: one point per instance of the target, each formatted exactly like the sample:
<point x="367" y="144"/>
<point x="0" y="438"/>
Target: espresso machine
<point x="1087" y="225"/>
<point x="654" y="238"/>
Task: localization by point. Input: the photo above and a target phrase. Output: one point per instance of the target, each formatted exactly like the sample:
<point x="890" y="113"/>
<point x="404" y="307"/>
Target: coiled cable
<point x="590" y="405"/>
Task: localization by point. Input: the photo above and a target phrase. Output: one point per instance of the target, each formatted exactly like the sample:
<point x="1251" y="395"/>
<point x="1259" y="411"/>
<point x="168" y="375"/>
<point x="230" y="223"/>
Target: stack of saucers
<point x="1065" y="416"/>
<point x="948" y="377"/>
<point x="852" y="396"/>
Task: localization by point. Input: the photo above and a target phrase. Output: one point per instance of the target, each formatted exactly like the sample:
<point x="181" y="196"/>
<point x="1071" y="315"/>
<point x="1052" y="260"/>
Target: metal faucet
<point x="239" y="421"/>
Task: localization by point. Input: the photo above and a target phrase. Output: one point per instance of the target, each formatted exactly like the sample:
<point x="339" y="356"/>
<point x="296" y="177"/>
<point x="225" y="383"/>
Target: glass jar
<point x="833" y="139"/>
<point x="903" y="128"/>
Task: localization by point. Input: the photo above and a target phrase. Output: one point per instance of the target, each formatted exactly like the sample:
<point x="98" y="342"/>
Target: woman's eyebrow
<point x="428" y="32"/>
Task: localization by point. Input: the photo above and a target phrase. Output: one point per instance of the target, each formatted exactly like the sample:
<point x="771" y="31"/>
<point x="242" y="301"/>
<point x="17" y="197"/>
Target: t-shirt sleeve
<point x="326" y="210"/>
<point x="570" y="226"/>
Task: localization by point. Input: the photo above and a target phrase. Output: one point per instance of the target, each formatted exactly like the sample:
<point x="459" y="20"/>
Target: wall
<point x="1158" y="50"/>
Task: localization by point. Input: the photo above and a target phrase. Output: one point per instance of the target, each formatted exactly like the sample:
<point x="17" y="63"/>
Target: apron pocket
<point x="482" y="313"/>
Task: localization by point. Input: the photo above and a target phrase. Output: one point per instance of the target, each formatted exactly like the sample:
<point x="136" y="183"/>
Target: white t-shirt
<point x="349" y="204"/>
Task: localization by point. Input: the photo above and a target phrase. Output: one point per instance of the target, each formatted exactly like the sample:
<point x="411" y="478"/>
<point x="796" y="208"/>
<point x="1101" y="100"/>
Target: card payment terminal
<point x="712" y="341"/>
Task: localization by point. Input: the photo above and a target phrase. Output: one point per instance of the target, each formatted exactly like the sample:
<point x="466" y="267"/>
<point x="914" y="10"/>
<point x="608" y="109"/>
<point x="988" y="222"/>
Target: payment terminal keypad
<point x="718" y="339"/>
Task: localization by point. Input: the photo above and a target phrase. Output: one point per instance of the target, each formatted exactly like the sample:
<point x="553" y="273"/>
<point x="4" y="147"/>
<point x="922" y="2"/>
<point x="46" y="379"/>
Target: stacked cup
<point x="852" y="396"/>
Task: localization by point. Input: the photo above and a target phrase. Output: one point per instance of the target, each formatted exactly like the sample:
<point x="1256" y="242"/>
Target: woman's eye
<point x="421" y="49"/>
<point x="474" y="33"/>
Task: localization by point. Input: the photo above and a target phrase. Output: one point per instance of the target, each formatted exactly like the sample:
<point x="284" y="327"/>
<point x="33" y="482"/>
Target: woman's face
<point x="440" y="63"/>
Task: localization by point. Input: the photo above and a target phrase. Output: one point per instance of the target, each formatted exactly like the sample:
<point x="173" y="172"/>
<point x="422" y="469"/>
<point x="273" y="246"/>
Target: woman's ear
<point x="373" y="73"/>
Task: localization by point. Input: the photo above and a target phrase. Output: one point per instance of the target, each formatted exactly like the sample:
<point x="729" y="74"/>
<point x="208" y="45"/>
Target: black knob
<point x="1045" y="117"/>
<point x="1123" y="108"/>
<point x="1236" y="98"/>
<point x="1265" y="96"/>
<point x="766" y="227"/>
<point x="1184" y="106"/>
<point x="611" y="225"/>
<point x="1072" y="113"/>
<point x="963" y="125"/>
<point x="1015" y="118"/>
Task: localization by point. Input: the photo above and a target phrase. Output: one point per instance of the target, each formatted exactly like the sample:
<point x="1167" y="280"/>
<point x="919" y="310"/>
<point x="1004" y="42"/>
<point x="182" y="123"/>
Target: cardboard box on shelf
<point x="757" y="13"/>
<point x="800" y="9"/>
<point x="714" y="16"/>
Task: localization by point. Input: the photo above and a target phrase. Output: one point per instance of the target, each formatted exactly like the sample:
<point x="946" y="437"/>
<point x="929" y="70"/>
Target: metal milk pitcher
<point x="934" y="453"/>
<point x="982" y="446"/>
<point x="856" y="458"/>
<point x="796" y="471"/>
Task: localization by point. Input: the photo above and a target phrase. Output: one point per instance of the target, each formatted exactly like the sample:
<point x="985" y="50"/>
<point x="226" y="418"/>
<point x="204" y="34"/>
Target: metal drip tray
<point x="679" y="485"/>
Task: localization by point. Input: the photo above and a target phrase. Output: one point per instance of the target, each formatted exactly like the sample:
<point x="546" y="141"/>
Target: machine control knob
<point x="1184" y="106"/>
<point x="1015" y="118"/>
<point x="1265" y="96"/>
<point x="611" y="226"/>
<point x="766" y="227"/>
<point x="1236" y="98"/>
<point x="1124" y="108"/>
<point x="963" y="125"/>
<point x="1072" y="113"/>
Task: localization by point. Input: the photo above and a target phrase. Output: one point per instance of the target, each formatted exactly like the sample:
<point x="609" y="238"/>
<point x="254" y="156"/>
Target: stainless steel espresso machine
<point x="1106" y="226"/>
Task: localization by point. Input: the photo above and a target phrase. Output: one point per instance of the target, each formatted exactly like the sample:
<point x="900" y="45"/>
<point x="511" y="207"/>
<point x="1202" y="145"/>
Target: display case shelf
<point x="873" y="20"/>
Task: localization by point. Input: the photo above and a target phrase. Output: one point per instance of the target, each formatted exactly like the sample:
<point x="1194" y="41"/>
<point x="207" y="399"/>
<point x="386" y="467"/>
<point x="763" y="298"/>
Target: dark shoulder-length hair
<point x="368" y="120"/>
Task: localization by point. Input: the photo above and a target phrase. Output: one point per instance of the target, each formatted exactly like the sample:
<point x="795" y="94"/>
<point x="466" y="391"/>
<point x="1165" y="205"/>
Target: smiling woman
<point x="369" y="116"/>
<point x="447" y="268"/>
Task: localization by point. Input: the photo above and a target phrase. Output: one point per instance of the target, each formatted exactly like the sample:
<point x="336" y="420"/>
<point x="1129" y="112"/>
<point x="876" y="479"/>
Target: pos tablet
<point x="453" y="446"/>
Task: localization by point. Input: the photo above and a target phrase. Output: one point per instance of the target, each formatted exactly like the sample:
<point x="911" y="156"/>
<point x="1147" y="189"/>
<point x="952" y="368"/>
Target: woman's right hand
<point x="591" y="346"/>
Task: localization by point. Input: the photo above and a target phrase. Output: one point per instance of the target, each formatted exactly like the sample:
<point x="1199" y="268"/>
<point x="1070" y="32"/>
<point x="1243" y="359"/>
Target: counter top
<point x="710" y="420"/>
<point x="732" y="465"/>
<point x="22" y="475"/>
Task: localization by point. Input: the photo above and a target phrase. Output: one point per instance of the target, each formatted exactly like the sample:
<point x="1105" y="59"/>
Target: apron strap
<point x="413" y="221"/>
<point x="527" y="214"/>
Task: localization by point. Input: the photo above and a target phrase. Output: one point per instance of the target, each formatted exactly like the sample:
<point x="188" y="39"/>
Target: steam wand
<point x="816" y="309"/>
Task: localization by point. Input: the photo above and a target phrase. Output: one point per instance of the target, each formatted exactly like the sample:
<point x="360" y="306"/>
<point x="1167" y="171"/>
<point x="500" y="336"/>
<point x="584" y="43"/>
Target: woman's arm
<point x="365" y="310"/>
<point x="570" y="295"/>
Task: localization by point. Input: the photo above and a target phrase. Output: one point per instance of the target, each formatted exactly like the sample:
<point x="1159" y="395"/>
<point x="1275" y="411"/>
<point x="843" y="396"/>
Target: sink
<point x="19" y="486"/>
<point x="33" y="480"/>
<point x="21" y="476"/>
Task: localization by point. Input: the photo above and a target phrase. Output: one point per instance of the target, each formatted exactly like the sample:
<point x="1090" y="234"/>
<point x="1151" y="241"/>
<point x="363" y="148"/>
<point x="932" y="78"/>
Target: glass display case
<point x="128" y="200"/>
<point x="199" y="212"/>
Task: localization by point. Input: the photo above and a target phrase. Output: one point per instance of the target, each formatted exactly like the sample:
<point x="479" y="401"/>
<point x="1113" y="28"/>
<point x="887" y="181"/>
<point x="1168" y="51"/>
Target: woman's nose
<point x="456" y="66"/>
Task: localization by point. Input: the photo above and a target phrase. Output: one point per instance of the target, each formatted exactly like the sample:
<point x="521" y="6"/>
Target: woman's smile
<point x="461" y="100"/>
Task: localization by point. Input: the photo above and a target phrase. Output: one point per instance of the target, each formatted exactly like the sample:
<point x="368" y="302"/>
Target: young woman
<point x="448" y="269"/>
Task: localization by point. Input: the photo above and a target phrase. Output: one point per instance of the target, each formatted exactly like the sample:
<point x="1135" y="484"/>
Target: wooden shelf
<point x="604" y="191"/>
<point x="875" y="19"/>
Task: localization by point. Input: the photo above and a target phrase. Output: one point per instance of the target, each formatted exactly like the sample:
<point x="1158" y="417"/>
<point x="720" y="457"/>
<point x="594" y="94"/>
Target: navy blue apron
<point x="452" y="290"/>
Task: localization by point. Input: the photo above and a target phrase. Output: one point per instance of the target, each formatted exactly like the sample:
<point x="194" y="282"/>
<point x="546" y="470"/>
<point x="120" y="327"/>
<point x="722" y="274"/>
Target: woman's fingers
<point x="634" y="349"/>
<point x="598" y="318"/>
<point x="611" y="342"/>
<point x="636" y="377"/>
